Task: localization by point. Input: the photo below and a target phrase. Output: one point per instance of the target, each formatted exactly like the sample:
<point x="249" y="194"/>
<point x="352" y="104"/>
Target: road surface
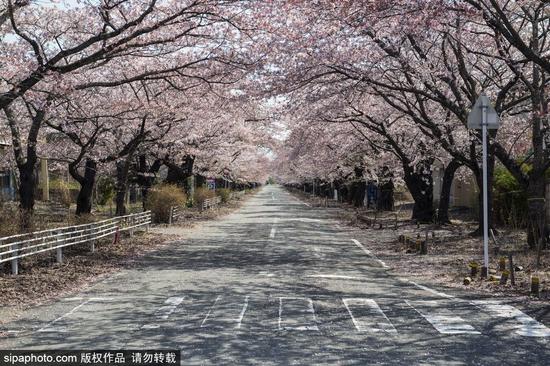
<point x="280" y="283"/>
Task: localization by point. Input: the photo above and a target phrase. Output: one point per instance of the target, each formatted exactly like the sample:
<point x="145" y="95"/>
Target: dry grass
<point x="193" y="216"/>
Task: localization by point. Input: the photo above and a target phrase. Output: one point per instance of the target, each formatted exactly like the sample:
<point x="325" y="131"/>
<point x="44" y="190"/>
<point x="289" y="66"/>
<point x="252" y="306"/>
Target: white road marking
<point x="310" y="310"/>
<point x="209" y="311"/>
<point x="272" y="233"/>
<point x="382" y="263"/>
<point x="527" y="326"/>
<point x="267" y="274"/>
<point x="365" y="323"/>
<point x="369" y="253"/>
<point x="444" y="324"/>
<point x="201" y="247"/>
<point x="343" y="277"/>
<point x="164" y="311"/>
<point x="89" y="299"/>
<point x="304" y="219"/>
<point x="49" y="328"/>
<point x="317" y="253"/>
<point x="430" y="290"/>
<point x="243" y="311"/>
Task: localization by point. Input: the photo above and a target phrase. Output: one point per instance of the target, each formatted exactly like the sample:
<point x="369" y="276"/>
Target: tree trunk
<point x="122" y="169"/>
<point x="146" y="176"/>
<point x="536" y="219"/>
<point x="385" y="200"/>
<point x="445" y="194"/>
<point x="420" y="185"/>
<point x="359" y="193"/>
<point x="423" y="210"/>
<point x="84" y="199"/>
<point x="178" y="174"/>
<point x="27" y="184"/>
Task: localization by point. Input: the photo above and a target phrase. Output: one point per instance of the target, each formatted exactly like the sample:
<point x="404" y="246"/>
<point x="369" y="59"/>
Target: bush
<point x="105" y="190"/>
<point x="201" y="194"/>
<point x="163" y="196"/>
<point x="63" y="190"/>
<point x="224" y="193"/>
<point x="509" y="200"/>
<point x="9" y="217"/>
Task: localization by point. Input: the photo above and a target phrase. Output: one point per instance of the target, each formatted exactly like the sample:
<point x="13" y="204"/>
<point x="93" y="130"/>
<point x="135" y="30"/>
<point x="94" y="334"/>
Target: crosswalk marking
<point x="442" y="322"/>
<point x="299" y="314"/>
<point x="370" y="319"/>
<point x="164" y="311"/>
<point x="527" y="326"/>
<point x="49" y="327"/>
<point x="243" y="311"/>
<point x="210" y="310"/>
<point x="308" y="310"/>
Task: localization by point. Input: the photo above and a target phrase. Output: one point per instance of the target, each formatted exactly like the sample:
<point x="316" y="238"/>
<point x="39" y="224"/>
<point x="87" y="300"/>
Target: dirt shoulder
<point x="41" y="280"/>
<point x="450" y="251"/>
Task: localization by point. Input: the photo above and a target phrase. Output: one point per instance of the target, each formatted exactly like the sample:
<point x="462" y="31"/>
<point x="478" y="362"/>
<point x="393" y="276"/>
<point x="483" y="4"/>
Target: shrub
<point x="63" y="190"/>
<point x="163" y="196"/>
<point x="509" y="201"/>
<point x="9" y="217"/>
<point x="224" y="194"/>
<point x="105" y="190"/>
<point x="201" y="194"/>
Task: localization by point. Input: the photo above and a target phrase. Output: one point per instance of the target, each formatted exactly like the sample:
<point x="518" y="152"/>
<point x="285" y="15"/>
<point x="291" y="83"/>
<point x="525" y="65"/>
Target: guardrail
<point x="175" y="214"/>
<point x="14" y="248"/>
<point x="238" y="194"/>
<point x="211" y="202"/>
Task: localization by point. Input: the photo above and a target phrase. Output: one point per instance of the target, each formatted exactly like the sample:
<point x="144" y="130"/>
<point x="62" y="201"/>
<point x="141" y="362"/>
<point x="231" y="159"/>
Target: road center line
<point x="272" y="233"/>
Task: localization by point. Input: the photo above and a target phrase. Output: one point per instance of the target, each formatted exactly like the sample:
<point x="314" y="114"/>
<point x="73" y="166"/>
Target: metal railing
<point x="238" y="194"/>
<point x="211" y="202"/>
<point x="14" y="248"/>
<point x="175" y="213"/>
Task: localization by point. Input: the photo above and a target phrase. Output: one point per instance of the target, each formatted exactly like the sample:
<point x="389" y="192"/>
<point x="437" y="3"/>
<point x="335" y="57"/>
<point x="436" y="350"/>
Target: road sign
<point x="484" y="116"/>
<point x="475" y="118"/>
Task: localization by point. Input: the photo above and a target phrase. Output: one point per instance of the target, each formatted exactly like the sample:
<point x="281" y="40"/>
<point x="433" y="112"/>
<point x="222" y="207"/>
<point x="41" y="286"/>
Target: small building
<point x="464" y="191"/>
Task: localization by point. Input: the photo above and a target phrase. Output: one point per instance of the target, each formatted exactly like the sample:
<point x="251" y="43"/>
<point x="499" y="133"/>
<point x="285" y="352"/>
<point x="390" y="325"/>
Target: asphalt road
<point x="278" y="282"/>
